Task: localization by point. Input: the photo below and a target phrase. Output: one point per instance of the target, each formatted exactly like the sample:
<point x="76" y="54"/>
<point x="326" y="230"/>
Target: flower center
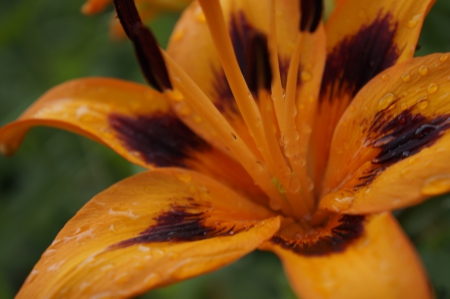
<point x="270" y="110"/>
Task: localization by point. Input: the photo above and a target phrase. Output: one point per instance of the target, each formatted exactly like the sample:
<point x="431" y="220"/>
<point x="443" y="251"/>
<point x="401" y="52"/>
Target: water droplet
<point x="414" y="21"/>
<point x="32" y="276"/>
<point x="274" y="205"/>
<point x="385" y="101"/>
<point x="306" y="76"/>
<point x="178" y="35"/>
<point x="150" y="277"/>
<point x="184" y="176"/>
<point x="436" y="185"/>
<point x="173" y="255"/>
<point x="84" y="286"/>
<point x="443" y="58"/>
<point x="406" y="77"/>
<point x="294" y="184"/>
<point x="55" y="266"/>
<point x="432" y="88"/>
<point x="49" y="252"/>
<point x="128" y="213"/>
<point x="122" y="278"/>
<point x="197" y="118"/>
<point x="385" y="77"/>
<point x="423" y="70"/>
<point x="405" y="171"/>
<point x="309" y="184"/>
<point x="344" y="203"/>
<point x="107" y="267"/>
<point x="259" y="167"/>
<point x="422" y="102"/>
<point x="112" y="228"/>
<point x="184" y="110"/>
<point x="175" y="95"/>
<point x="403" y="106"/>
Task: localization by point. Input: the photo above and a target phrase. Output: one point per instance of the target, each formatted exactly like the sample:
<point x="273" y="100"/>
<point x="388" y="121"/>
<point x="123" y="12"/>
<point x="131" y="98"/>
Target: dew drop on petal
<point x="385" y="77"/>
<point x="344" y="203"/>
<point x="422" y="102"/>
<point x="198" y="119"/>
<point x="412" y="23"/>
<point x="432" y="88"/>
<point x="178" y="35"/>
<point x="175" y="95"/>
<point x="32" y="276"/>
<point x="436" y="185"/>
<point x="122" y="278"/>
<point x="184" y="176"/>
<point x="385" y="101"/>
<point x="444" y="58"/>
<point x="306" y="76"/>
<point x="423" y="70"/>
<point x="150" y="277"/>
<point x="259" y="167"/>
<point x="406" y="77"/>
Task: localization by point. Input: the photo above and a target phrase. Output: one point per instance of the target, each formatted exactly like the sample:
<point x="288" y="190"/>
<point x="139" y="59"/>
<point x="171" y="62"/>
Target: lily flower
<point x="148" y="9"/>
<point x="264" y="129"/>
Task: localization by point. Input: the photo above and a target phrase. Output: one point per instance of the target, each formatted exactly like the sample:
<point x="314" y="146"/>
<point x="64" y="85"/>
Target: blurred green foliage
<point x="46" y="42"/>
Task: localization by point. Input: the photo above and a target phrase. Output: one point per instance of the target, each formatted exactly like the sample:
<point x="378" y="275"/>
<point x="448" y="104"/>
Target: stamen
<point x="147" y="50"/>
<point x="277" y="89"/>
<point x="311" y="14"/>
<point x="260" y="79"/>
<point x="200" y="102"/>
<point x="242" y="95"/>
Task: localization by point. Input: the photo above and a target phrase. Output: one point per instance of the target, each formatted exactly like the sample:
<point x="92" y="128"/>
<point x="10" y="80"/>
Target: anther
<point x="311" y="14"/>
<point x="147" y="50"/>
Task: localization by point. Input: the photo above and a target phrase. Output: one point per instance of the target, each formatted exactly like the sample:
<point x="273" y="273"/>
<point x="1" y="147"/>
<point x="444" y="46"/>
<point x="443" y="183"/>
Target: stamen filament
<point x="200" y="102"/>
<point x="291" y="136"/>
<point x="277" y="162"/>
<point x="242" y="95"/>
<point x="277" y="89"/>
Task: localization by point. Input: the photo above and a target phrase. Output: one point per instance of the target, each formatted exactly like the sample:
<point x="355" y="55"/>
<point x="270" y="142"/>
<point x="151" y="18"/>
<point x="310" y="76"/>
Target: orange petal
<point x="149" y="230"/>
<point x="390" y="148"/>
<point x="381" y="263"/>
<point x="364" y="37"/>
<point x="94" y="6"/>
<point x="134" y="120"/>
<point x="192" y="48"/>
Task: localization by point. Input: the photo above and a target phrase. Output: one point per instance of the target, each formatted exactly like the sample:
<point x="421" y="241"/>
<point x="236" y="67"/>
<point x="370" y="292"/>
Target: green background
<point x="46" y="42"/>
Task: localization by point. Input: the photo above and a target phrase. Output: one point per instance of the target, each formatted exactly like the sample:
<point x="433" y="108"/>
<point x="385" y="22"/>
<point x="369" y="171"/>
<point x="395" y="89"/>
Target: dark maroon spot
<point x="161" y="139"/>
<point x="146" y="47"/>
<point x="401" y="137"/>
<point x="311" y="14"/>
<point x="259" y="72"/>
<point x="349" y="229"/>
<point x="240" y="32"/>
<point x="180" y="224"/>
<point x="356" y="59"/>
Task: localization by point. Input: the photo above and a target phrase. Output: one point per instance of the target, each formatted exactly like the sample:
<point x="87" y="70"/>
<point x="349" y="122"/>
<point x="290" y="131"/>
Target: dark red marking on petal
<point x="349" y="229"/>
<point x="161" y="139"/>
<point x="240" y="32"/>
<point x="180" y="224"/>
<point x="356" y="59"/>
<point x="311" y="14"/>
<point x="259" y="71"/>
<point x="401" y="137"/>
